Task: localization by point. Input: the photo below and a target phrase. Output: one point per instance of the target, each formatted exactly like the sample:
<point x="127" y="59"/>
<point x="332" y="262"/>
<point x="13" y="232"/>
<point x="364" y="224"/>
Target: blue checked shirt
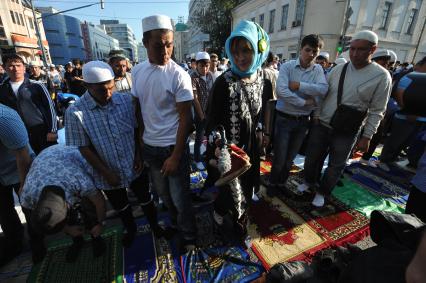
<point x="110" y="129"/>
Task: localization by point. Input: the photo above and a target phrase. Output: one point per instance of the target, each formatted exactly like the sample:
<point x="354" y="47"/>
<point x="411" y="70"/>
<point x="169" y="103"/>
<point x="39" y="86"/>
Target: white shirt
<point x="159" y="88"/>
<point x="15" y="86"/>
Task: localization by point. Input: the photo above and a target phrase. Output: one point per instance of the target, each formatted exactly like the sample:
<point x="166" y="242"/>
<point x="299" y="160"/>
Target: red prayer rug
<point x="285" y="229"/>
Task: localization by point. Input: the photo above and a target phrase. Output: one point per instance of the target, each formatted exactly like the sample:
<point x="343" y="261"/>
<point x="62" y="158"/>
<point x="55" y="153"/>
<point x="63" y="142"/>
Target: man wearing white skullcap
<point x="381" y="57"/>
<point x="165" y="95"/>
<point x="323" y="59"/>
<point x="102" y="125"/>
<point x="365" y="88"/>
<point x="202" y="82"/>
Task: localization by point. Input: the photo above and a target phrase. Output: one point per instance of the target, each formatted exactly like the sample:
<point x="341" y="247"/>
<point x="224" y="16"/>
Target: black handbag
<point x="346" y="119"/>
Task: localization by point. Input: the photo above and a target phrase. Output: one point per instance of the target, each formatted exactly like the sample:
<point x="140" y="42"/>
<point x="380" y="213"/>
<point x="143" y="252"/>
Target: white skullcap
<point x="393" y="56"/>
<point x="52" y="65"/>
<point x="340" y="60"/>
<point x="380" y="53"/>
<point x="156" y="22"/>
<point x="324" y="54"/>
<point x="97" y="72"/>
<point x="366" y="35"/>
<point x="35" y="64"/>
<point x="202" y="56"/>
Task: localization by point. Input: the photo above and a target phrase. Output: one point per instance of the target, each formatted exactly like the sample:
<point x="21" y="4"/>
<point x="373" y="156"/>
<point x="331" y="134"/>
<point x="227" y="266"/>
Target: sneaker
<point x="318" y="200"/>
<point x="240" y="163"/>
<point x="200" y="166"/>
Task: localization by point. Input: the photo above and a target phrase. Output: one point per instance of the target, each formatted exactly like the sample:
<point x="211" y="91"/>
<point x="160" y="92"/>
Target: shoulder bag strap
<point x="341" y="81"/>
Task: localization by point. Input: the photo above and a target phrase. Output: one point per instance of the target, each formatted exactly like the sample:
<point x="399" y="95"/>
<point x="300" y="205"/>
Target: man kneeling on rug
<point x="59" y="195"/>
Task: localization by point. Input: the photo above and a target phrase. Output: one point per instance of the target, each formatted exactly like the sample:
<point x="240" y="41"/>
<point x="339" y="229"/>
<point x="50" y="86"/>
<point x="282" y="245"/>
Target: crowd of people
<point x="129" y="130"/>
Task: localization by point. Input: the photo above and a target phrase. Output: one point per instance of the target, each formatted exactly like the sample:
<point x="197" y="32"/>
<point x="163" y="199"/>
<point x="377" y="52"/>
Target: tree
<point x="216" y="20"/>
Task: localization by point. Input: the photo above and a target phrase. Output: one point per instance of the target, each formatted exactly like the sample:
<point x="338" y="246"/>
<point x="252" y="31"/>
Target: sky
<point x="130" y="12"/>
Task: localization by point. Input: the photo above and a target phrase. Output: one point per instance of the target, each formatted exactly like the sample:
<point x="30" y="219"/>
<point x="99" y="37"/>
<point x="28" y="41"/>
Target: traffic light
<point x="344" y="43"/>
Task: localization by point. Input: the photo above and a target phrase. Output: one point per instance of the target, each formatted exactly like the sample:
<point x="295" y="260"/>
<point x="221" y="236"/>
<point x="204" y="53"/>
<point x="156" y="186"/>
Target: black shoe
<point x="99" y="246"/>
<point x="74" y="249"/>
<point x="128" y="238"/>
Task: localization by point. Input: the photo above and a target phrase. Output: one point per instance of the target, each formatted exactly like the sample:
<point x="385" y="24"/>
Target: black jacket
<point x="33" y="103"/>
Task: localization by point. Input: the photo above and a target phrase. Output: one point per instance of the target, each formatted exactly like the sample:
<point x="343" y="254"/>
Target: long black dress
<point x="237" y="106"/>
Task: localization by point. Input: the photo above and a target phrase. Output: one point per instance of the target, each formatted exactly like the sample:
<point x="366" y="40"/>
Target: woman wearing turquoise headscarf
<point x="235" y="103"/>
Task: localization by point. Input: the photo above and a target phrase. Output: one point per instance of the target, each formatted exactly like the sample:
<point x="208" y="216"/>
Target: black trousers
<point x="140" y="187"/>
<point x="416" y="203"/>
<point x="13" y="230"/>
<point x="38" y="138"/>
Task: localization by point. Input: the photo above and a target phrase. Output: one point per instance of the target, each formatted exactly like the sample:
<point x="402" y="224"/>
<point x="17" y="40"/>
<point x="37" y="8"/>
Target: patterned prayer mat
<point x="362" y="199"/>
<point x="392" y="186"/>
<point x="150" y="259"/>
<point x="106" y="268"/>
<point x="224" y="264"/>
<point x="284" y="229"/>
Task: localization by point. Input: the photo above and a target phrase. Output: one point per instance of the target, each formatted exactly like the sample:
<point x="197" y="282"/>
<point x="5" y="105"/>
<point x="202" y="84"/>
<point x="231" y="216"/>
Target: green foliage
<point x="216" y="20"/>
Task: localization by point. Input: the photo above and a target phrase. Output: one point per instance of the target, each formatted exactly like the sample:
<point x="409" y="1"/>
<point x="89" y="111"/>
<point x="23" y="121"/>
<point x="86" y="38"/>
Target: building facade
<point x="125" y="36"/>
<point x="97" y="42"/>
<point x="197" y="39"/>
<point x="64" y="35"/>
<point x="18" y="33"/>
<point x="142" y="55"/>
<point x="181" y="38"/>
<point x="398" y="23"/>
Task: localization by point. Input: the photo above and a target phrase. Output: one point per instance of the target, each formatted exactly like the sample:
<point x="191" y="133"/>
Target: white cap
<point x="202" y="56"/>
<point x="340" y="60"/>
<point x="35" y="64"/>
<point x="52" y="65"/>
<point x="324" y="54"/>
<point x="156" y="22"/>
<point x="393" y="56"/>
<point x="380" y="53"/>
<point x="366" y="35"/>
<point x="97" y="72"/>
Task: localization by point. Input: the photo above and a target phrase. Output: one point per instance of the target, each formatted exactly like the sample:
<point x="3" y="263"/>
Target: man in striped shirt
<point x="32" y="101"/>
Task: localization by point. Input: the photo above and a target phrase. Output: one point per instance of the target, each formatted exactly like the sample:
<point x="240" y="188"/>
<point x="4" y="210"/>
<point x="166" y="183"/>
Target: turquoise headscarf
<point x="253" y="33"/>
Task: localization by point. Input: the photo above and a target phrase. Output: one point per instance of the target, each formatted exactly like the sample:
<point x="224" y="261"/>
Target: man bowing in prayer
<point x="164" y="91"/>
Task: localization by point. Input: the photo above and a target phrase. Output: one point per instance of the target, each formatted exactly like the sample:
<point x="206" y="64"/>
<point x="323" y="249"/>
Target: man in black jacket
<point x="32" y="101"/>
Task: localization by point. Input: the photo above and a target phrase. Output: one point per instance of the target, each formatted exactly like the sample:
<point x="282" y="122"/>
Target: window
<point x="12" y="15"/>
<point x="411" y="20"/>
<point x="18" y="21"/>
<point x="284" y="17"/>
<point x="2" y="32"/>
<point x="385" y="15"/>
<point x="51" y="31"/>
<point x="271" y="20"/>
<point x="70" y="34"/>
<point x="300" y="9"/>
<point x="30" y="21"/>
<point x="1" y="22"/>
<point x="22" y="19"/>
<point x="261" y="19"/>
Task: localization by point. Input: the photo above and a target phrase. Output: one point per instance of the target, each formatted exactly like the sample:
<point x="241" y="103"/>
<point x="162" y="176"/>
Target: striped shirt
<point x="13" y="136"/>
<point x="201" y="88"/>
<point x="110" y="129"/>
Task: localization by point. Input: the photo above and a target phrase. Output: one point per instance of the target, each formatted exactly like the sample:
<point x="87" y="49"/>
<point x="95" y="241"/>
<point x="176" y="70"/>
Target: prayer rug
<point x="197" y="180"/>
<point x="294" y="230"/>
<point x="362" y="199"/>
<point x="150" y="259"/>
<point x="106" y="268"/>
<point x="392" y="186"/>
<point x="224" y="264"/>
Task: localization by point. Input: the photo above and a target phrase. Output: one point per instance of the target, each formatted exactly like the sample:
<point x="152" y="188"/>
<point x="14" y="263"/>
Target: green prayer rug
<point x="362" y="200"/>
<point x="106" y="268"/>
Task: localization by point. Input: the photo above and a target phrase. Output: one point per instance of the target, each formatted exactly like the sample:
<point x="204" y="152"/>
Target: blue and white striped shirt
<point x="110" y="129"/>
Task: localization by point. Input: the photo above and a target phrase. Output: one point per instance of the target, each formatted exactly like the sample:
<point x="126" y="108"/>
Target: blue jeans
<point x="323" y="140"/>
<point x="288" y="138"/>
<point x="199" y="134"/>
<point x="174" y="189"/>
